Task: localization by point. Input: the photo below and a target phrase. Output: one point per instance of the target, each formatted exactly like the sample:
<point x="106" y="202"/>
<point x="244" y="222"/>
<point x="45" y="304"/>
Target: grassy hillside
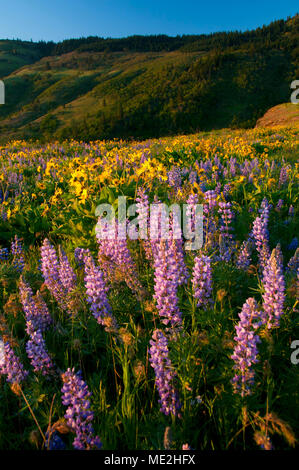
<point x="286" y="114"/>
<point x="144" y="87"/>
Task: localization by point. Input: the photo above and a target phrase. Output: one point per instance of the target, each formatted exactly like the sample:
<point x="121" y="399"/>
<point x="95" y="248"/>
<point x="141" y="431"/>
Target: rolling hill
<point x="146" y="86"/>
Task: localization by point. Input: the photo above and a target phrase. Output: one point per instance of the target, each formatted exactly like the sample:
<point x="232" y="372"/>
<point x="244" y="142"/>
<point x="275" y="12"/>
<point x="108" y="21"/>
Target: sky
<point x="62" y="19"/>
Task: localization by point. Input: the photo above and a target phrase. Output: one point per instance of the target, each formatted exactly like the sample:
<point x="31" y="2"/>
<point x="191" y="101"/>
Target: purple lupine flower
<point x="226" y="217"/>
<point x="279" y="205"/>
<point x="3" y="213"/>
<point x="66" y="273"/>
<point x="210" y="197"/>
<point x="157" y="226"/>
<point x="192" y="177"/>
<point x="274" y="289"/>
<point x="166" y="283"/>
<point x="261" y="234"/>
<point x="244" y="255"/>
<point x="226" y="190"/>
<point x="192" y="202"/>
<point x="245" y="352"/>
<point x="11" y="366"/>
<point x="50" y="272"/>
<point x="18" y="254"/>
<point x="114" y="255"/>
<point x="174" y="177"/>
<point x="265" y="208"/>
<point x="4" y="253"/>
<point x="283" y="176"/>
<point x="37" y="352"/>
<point x="165" y="375"/>
<point x="232" y="166"/>
<point x="225" y="237"/>
<point x="142" y="209"/>
<point x="176" y="250"/>
<point x="78" y="415"/>
<point x="96" y="290"/>
<point x="54" y="442"/>
<point x="291" y="211"/>
<point x="294" y="244"/>
<point x="202" y="281"/>
<point x="80" y="254"/>
<point x="293" y="263"/>
<point x="35" y="308"/>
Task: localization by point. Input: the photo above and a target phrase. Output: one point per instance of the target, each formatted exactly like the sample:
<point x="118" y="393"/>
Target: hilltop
<point x="286" y="114"/>
<point x="146" y="86"/>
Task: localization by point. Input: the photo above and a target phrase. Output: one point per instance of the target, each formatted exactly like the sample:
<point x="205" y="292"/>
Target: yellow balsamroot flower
<point x="83" y="196"/>
<point x="144" y="167"/>
<point x="78" y="188"/>
<point x="58" y="192"/>
<point x="270" y="182"/>
<point x="106" y="174"/>
<point x="196" y="186"/>
<point x="78" y="176"/>
<point x="241" y="179"/>
<point x="46" y="209"/>
<point x="51" y="164"/>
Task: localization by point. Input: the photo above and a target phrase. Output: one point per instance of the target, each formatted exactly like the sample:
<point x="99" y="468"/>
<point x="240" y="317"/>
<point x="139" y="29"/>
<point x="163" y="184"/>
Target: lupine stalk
<point x="11" y="366"/>
<point x="97" y="294"/>
<point x="114" y="255"/>
<point x="67" y="275"/>
<point x="246" y="352"/>
<point x="244" y="255"/>
<point x="176" y="250"/>
<point x="35" y="308"/>
<point x="293" y="264"/>
<point x="274" y="287"/>
<point x="261" y="234"/>
<point x="18" y="254"/>
<point x="79" y="417"/>
<point x="202" y="281"/>
<point x="50" y="271"/>
<point x="166" y="284"/>
<point x="37" y="352"/>
<point x="165" y="375"/>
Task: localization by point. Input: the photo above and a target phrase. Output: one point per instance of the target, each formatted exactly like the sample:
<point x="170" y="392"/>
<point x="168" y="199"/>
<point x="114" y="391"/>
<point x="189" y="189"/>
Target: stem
<point x="33" y="416"/>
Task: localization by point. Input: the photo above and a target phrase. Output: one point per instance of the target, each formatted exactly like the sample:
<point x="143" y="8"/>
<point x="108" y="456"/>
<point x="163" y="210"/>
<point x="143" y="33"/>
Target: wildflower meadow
<point x="139" y="342"/>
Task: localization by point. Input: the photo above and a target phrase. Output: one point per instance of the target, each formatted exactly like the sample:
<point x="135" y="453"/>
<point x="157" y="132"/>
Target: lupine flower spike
<point x="165" y="375"/>
<point x="79" y="417"/>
